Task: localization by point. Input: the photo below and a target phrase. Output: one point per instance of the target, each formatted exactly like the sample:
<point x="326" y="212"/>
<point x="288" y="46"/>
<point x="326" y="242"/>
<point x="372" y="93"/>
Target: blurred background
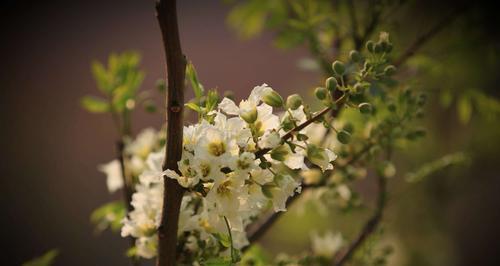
<point x="51" y="146"/>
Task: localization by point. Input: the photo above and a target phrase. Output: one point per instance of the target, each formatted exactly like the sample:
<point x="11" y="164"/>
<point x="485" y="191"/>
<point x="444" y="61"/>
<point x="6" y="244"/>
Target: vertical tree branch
<point x="176" y="66"/>
<point x="127" y="189"/>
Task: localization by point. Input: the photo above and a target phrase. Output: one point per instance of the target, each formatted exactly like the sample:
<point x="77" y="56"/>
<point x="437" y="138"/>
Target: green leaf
<point x="194" y="107"/>
<point x="95" y="105"/>
<point x="46" y="259"/>
<point x="102" y="78"/>
<point x="212" y="100"/>
<point x="108" y="215"/>
<point x="195" y="83"/>
<point x="223" y="239"/>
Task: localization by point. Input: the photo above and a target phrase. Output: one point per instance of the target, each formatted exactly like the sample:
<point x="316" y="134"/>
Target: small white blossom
<point x="113" y="171"/>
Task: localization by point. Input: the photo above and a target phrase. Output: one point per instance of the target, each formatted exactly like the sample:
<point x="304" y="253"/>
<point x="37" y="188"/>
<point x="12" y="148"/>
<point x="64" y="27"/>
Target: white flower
<point x="144" y="144"/>
<point x="270" y="140"/>
<point x="326" y="245"/>
<point x="287" y="186"/>
<point x="261" y="176"/>
<point x="113" y="172"/>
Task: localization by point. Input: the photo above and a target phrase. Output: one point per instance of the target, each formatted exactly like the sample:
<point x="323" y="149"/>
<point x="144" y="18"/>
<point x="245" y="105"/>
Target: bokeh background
<point x="50" y="147"/>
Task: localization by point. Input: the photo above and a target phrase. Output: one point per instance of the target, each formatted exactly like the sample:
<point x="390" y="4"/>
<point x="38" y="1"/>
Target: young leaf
<point x="108" y="215"/>
<point x="94" y="104"/>
<point x="195" y="83"/>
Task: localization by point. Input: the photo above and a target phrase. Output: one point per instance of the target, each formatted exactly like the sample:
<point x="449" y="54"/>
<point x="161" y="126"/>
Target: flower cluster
<point x="227" y="184"/>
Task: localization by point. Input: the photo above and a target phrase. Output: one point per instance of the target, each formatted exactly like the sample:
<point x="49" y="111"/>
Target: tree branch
<point x="127" y="189"/>
<point x="176" y="66"/>
<point x="370" y="225"/>
<point x="425" y="37"/>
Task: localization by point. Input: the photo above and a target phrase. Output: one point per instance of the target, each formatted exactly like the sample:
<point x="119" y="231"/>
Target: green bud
<point x="344" y="137"/>
<point x="287" y="123"/>
<point x="369" y="46"/>
<point x="272" y="98"/>
<point x="321" y="93"/>
<point x="160" y="85"/>
<point x="293" y="101"/>
<point x="349" y="127"/>
<point x="390" y="70"/>
<point x="250" y="116"/>
<point x="365" y="108"/>
<point x="355" y="56"/>
<point x="358" y="88"/>
<point x="149" y="106"/>
<point x="377" y="48"/>
<point x="338" y="67"/>
<point x="331" y="84"/>
<point x="386" y="169"/>
<point x="302" y="137"/>
<point x="279" y="153"/>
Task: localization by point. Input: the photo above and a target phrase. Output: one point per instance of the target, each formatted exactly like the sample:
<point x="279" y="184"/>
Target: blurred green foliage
<point x="46" y="259"/>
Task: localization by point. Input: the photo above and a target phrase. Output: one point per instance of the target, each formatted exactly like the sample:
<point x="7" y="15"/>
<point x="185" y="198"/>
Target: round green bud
<point x="287" y="123"/>
<point x="355" y="56"/>
<point x="370" y="46"/>
<point x="338" y="67"/>
<point x="160" y="85"/>
<point x="349" y="127"/>
<point x="250" y="115"/>
<point x="344" y="137"/>
<point x="358" y="88"/>
<point x="321" y="93"/>
<point x="272" y="98"/>
<point x="331" y="84"/>
<point x="293" y="101"/>
<point x="365" y="108"/>
<point x="390" y="70"/>
<point x="377" y="48"/>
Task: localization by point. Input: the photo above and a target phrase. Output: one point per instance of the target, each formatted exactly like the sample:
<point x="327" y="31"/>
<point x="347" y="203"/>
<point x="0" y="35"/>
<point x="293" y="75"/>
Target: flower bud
<point x="249" y="115"/>
<point x="331" y="84"/>
<point x="365" y="108"/>
<point x="369" y="46"/>
<point x="387" y="169"/>
<point x="293" y="101"/>
<point x="344" y="137"/>
<point x="272" y="98"/>
<point x="321" y="93"/>
<point x="338" y="67"/>
<point x="390" y="70"/>
<point x="355" y="56"/>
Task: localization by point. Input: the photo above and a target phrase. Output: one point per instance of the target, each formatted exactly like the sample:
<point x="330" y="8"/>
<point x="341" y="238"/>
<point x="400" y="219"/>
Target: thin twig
<point x="369" y="227"/>
<point x="425" y="37"/>
<point x="176" y="66"/>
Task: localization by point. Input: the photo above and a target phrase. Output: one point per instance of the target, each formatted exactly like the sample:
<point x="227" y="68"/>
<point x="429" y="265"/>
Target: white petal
<point x="228" y="106"/>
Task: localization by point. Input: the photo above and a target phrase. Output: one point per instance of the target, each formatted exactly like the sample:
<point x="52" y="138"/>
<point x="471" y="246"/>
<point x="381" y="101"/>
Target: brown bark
<point x="176" y="66"/>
